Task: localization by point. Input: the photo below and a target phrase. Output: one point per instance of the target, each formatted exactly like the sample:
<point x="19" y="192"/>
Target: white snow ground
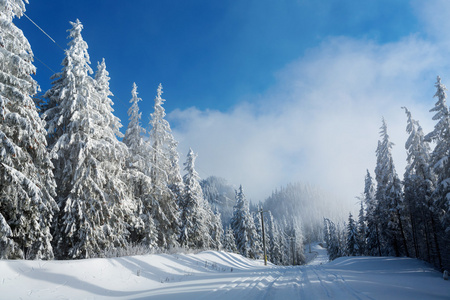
<point x="221" y="275"/>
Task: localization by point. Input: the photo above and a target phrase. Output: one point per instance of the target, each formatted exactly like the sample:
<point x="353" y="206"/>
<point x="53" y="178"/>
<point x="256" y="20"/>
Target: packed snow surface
<point x="221" y="275"/>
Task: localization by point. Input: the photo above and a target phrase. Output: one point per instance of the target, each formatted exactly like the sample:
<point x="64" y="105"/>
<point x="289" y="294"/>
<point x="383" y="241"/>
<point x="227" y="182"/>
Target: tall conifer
<point x="389" y="196"/>
<point x="194" y="218"/>
<point x="165" y="204"/>
<point x="94" y="201"/>
<point x="244" y="227"/>
<point x="27" y="187"/>
<point x="441" y="166"/>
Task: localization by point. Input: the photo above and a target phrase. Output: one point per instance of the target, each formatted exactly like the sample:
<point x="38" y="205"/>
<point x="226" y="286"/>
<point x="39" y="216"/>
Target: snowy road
<point x="221" y="275"/>
<point x="347" y="278"/>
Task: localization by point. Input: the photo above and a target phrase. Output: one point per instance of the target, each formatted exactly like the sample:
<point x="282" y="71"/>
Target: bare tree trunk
<point x="438" y="252"/>
<point x="402" y="232"/>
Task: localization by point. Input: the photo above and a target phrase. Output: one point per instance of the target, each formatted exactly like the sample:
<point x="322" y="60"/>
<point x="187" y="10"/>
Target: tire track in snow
<point x="342" y="283"/>
<point x="249" y="285"/>
<point x="291" y="283"/>
<point x="336" y="286"/>
<point x="304" y="283"/>
<point x="270" y="292"/>
<point x="327" y="291"/>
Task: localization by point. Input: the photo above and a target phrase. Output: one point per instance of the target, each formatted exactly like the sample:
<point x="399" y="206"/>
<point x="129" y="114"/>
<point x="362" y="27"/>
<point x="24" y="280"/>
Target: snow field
<point x="220" y="275"/>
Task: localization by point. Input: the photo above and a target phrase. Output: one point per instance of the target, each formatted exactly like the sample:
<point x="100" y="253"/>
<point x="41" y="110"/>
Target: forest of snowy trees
<point x="70" y="188"/>
<point x="73" y="186"/>
<point x="408" y="217"/>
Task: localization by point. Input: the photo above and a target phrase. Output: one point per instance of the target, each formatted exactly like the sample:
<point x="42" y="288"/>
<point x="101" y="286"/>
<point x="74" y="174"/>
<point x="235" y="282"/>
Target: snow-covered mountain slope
<point x="220" y="275"/>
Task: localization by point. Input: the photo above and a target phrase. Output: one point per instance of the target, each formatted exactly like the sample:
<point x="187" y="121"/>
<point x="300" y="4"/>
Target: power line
<point x="261" y="211"/>
<point x="34" y="23"/>
<point x="45" y="64"/>
<point x="43" y="31"/>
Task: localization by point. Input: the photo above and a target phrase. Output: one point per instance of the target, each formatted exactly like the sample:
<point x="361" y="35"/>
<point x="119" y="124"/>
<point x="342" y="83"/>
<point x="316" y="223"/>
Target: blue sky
<point x="267" y="92"/>
<point x="207" y="54"/>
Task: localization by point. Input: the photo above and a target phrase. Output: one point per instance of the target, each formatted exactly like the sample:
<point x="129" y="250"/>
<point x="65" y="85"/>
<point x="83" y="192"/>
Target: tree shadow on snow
<point x="61" y="280"/>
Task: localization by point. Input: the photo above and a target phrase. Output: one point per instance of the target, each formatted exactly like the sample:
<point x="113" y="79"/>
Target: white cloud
<point x="320" y="122"/>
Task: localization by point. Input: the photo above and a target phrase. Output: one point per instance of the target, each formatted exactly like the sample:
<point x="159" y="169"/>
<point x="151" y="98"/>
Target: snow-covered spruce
<point x="165" y="180"/>
<point x="256" y="215"/>
<point x="390" y="200"/>
<point x="133" y="136"/>
<point x="419" y="184"/>
<point x="441" y="166"/>
<point x="335" y="239"/>
<point x="123" y="207"/>
<point x="94" y="200"/>
<point x="244" y="229"/>
<point x="272" y="242"/>
<point x="138" y="177"/>
<point x="373" y="246"/>
<point x="195" y="216"/>
<point x="292" y="229"/>
<point x="352" y="237"/>
<point x="362" y="229"/>
<point x="229" y="242"/>
<point x="215" y="229"/>
<point x="27" y="187"/>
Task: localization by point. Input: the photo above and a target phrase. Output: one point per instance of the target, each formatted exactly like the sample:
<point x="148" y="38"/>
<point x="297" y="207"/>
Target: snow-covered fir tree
<point x="441" y="166"/>
<point x="244" y="227"/>
<point x="333" y="247"/>
<point x="272" y="242"/>
<point x="293" y="231"/>
<point x="398" y="217"/>
<point x="362" y="229"/>
<point x="27" y="187"/>
<point x="373" y="246"/>
<point x="124" y="210"/>
<point x="352" y="237"/>
<point x="138" y="176"/>
<point x="336" y="238"/>
<point x="326" y="232"/>
<point x="256" y="215"/>
<point x="229" y="242"/>
<point x="7" y="244"/>
<point x="212" y="224"/>
<point x="194" y="229"/>
<point x="419" y="181"/>
<point x="106" y="104"/>
<point x="175" y="180"/>
<point x="342" y="238"/>
<point x="133" y="135"/>
<point x="389" y="196"/>
<point x="267" y="242"/>
<point x="216" y="231"/>
<point x="165" y="212"/>
<point x="88" y="158"/>
<point x="284" y="248"/>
